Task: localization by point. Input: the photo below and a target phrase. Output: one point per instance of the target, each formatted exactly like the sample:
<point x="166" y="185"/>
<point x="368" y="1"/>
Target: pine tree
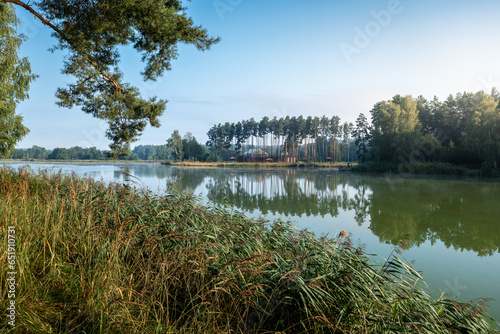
<point x="91" y="32"/>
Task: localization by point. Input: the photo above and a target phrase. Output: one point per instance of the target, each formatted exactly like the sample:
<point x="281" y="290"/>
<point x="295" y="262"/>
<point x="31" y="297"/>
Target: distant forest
<point x="462" y="130"/>
<point x="190" y="150"/>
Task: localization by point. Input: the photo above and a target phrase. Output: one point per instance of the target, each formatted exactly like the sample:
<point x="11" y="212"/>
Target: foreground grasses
<point x="109" y="259"/>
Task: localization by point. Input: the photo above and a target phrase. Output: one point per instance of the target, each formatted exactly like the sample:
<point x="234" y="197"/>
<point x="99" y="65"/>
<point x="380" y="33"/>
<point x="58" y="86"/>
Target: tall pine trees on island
<point x="284" y="139"/>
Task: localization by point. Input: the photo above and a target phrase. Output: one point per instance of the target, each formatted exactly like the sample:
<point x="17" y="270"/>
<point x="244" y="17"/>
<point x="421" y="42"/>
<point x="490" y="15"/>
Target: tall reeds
<point x="96" y="258"/>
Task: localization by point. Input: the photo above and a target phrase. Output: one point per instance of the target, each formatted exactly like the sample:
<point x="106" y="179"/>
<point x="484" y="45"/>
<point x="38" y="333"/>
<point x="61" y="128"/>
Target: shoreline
<point x="325" y="165"/>
<point x="380" y="169"/>
<point x="433" y="168"/>
<point x="260" y="165"/>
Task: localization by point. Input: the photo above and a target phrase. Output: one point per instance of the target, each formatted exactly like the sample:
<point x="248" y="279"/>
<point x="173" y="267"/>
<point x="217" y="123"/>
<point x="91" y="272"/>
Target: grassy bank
<point x="90" y="161"/>
<point x="260" y="165"/>
<point x="92" y="258"/>
<point x="202" y="164"/>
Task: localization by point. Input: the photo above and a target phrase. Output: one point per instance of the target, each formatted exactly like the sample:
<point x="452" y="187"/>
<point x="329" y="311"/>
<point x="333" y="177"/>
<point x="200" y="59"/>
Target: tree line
<point x="142" y="152"/>
<point x="189" y="147"/>
<point x="285" y="139"/>
<point x="41" y="153"/>
<point x="186" y="148"/>
<point x="462" y="130"/>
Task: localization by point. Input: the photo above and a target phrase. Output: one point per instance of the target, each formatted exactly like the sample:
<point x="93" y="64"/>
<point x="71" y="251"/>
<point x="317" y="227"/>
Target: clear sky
<point x="285" y="57"/>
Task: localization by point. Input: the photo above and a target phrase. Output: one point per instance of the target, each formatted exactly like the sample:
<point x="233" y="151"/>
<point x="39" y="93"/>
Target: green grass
<point x="260" y="165"/>
<point x="112" y="259"/>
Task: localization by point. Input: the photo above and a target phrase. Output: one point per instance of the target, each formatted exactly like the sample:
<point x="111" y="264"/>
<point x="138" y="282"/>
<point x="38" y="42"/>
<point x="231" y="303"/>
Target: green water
<point x="452" y="227"/>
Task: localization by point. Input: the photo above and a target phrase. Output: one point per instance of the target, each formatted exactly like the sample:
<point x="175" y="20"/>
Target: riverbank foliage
<point x="428" y="168"/>
<point x="463" y="130"/>
<point x="112" y="259"/>
<point x="258" y="165"/>
<point x="192" y="150"/>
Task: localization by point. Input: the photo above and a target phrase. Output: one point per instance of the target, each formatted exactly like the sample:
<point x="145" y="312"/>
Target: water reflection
<point x="463" y="215"/>
<point x="287" y="192"/>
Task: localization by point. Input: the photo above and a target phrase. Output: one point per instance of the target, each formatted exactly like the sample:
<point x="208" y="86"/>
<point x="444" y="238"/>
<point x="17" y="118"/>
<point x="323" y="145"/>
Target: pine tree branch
<point x="107" y="77"/>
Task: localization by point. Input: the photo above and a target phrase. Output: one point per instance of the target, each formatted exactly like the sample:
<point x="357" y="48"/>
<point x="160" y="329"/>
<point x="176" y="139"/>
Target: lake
<point x="452" y="226"/>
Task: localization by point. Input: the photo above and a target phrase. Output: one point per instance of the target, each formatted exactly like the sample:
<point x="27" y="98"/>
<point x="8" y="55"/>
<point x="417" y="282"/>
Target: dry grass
<point x="261" y="165"/>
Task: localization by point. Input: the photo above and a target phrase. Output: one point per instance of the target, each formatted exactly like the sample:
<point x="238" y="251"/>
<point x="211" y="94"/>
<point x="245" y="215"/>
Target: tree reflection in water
<point x="463" y="215"/>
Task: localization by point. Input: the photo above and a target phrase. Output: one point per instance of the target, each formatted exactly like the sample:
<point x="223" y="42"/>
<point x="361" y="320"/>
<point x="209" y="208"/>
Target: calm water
<point x="453" y="226"/>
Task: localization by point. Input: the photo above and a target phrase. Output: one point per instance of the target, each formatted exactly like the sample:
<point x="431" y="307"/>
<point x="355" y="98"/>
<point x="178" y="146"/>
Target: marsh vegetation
<point x="113" y="259"/>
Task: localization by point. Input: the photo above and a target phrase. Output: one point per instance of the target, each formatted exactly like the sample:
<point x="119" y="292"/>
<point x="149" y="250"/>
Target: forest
<point x="464" y="130"/>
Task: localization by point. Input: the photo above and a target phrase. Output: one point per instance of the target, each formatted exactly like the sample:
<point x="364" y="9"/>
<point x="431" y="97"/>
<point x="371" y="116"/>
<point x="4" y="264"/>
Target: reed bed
<point x="260" y="164"/>
<point x="96" y="258"/>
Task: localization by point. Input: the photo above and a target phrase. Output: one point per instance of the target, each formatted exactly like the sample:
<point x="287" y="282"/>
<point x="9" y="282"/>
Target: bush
<point x="211" y="158"/>
<point x="418" y="168"/>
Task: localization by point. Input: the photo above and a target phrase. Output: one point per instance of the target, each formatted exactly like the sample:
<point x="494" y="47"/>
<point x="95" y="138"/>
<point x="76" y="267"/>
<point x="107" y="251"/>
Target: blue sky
<point x="279" y="58"/>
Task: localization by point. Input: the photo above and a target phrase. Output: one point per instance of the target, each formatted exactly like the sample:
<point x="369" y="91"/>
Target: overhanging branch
<point x="107" y="77"/>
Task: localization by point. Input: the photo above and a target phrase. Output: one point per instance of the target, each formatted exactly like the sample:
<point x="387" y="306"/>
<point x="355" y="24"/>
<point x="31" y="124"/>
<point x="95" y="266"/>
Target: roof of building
<point x="256" y="151"/>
